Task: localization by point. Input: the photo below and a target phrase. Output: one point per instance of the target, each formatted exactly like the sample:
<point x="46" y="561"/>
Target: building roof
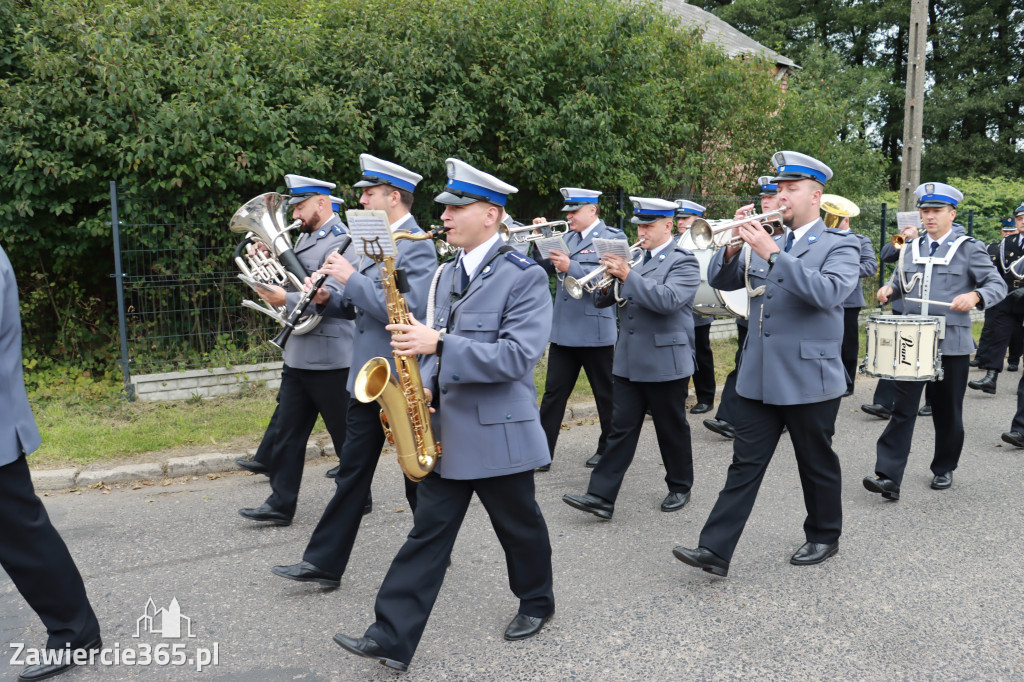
<point x="727" y="37"/>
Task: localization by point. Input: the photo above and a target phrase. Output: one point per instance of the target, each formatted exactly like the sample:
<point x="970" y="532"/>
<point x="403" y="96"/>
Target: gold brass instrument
<point x="576" y="287"/>
<point x="519" y="236"/>
<point x="703" y="234"/>
<point x="836" y="208"/>
<point x="404" y="414"/>
<point x="897" y="241"/>
<point x="271" y="261"/>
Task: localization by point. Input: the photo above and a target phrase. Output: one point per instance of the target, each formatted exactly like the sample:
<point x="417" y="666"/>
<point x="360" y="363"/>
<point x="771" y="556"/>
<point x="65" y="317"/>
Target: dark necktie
<point x="934" y="247"/>
<point x="647" y="256"/>
<point x="463" y="276"/>
<point x="789" y="240"/>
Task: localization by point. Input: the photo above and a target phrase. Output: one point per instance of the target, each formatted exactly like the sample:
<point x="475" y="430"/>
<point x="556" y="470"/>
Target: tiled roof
<point x="717" y="32"/>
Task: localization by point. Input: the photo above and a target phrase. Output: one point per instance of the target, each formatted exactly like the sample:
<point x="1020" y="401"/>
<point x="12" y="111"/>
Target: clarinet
<point x="299" y="310"/>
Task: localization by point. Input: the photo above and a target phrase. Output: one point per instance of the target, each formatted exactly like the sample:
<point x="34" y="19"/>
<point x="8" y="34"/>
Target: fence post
<point x="970" y="223"/>
<point x="115" y="225"/>
<point x="621" y="202"/>
<point x="881" y="245"/>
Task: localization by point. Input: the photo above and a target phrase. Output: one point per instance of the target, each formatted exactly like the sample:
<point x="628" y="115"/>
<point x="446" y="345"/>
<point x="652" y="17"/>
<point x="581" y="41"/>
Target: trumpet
<point x="519" y="236"/>
<point x="704" y="236"/>
<point x="575" y="287"/>
<point x="897" y="241"/>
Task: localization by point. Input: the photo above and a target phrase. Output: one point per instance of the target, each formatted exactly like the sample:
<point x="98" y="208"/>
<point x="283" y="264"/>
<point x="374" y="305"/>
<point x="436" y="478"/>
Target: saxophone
<point x="404" y="412"/>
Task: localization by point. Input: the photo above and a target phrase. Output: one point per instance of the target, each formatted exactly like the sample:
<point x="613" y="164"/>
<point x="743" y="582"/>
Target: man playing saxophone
<point x="492" y="321"/>
<point x="387" y="187"/>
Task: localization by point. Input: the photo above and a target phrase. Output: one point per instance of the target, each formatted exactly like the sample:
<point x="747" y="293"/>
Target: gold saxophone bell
<point x="836" y="208"/>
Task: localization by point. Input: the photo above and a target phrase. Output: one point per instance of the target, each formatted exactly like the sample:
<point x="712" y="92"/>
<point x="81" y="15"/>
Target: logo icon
<point x="164" y="622"/>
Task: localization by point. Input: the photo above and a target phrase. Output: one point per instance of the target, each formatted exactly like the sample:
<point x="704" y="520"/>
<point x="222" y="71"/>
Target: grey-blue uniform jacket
<point x="791" y="355"/>
<point x="868" y="267"/>
<point x="18" y="432"/>
<point x="487" y="418"/>
<point x="970" y="270"/>
<point x="578" y="322"/>
<point x="656" y="321"/>
<point x="329" y="344"/>
<point x="364" y="291"/>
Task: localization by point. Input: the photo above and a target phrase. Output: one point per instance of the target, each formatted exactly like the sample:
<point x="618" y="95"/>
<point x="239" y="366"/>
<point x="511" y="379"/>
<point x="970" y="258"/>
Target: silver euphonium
<point x="262" y="220"/>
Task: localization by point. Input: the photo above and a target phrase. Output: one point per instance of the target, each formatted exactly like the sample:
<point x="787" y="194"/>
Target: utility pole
<point x="913" y="116"/>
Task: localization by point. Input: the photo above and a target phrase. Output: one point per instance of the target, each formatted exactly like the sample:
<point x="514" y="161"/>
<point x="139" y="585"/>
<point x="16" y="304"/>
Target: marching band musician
<point x="32" y="552"/>
<point x="722" y="423"/>
<point x="315" y="364"/>
<point x="853" y="304"/>
<point x="704" y="373"/>
<point x="491" y="324"/>
<point x="653" y="360"/>
<point x="791" y="373"/>
<point x="1003" y="319"/>
<point x="386" y="187"/>
<point x="951" y="269"/>
<point x="582" y="335"/>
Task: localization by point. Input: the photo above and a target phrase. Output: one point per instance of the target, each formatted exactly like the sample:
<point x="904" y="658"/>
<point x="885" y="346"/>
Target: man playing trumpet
<point x="653" y="359"/>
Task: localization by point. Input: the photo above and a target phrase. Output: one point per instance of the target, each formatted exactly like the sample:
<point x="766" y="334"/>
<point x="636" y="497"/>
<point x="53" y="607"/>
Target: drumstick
<point x="928" y="301"/>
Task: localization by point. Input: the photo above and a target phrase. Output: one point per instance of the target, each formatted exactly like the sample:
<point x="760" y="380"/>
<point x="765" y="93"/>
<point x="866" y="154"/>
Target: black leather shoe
<point x="942" y="481"/>
<point x="1014" y="438"/>
<point x="849" y="392"/>
<point x="703" y="558"/>
<point x="925" y="411"/>
<point x="524" y="626"/>
<point x="265" y="512"/>
<point x="594" y="459"/>
<point x="986" y="385"/>
<point x="814" y="553"/>
<point x="305" y="572"/>
<point x="876" y="410"/>
<point x="675" y="501"/>
<point x="590" y="503"/>
<point x="721" y="427"/>
<point x="253" y="466"/>
<point x="333" y="471"/>
<point x="543" y="467"/>
<point x="884" y="486"/>
<point x="367" y="648"/>
<point x="45" y="671"/>
<point x="1011" y="367"/>
<point x="973" y="362"/>
<point x="700" y="408"/>
<point x="367" y="507"/>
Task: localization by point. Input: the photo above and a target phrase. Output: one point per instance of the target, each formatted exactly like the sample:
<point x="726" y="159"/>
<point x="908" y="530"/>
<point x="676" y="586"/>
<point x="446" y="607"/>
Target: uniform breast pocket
<point x="953" y="283"/>
<point x="503" y="426"/>
<point x="676" y="344"/>
<point x="479" y="325"/>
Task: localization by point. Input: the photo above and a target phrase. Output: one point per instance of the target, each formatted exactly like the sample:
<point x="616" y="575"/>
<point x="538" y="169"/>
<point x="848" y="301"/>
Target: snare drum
<point x="711" y="301"/>
<point x="903" y="347"/>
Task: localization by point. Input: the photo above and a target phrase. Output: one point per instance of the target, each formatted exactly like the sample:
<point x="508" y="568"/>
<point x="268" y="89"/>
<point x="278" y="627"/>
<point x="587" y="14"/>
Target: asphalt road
<point x="929" y="587"/>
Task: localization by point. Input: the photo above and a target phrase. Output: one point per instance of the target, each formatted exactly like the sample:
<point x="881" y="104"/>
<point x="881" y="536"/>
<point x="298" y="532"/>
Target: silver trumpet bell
<point x="520" y="234"/>
<point x="703" y="234"/>
<point x="577" y="287"/>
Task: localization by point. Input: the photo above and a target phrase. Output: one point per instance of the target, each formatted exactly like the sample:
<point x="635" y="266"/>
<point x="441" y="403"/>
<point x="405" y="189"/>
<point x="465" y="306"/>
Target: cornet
<point x="519" y="236"/>
<point x="704" y="236"/>
<point x="575" y="287"/>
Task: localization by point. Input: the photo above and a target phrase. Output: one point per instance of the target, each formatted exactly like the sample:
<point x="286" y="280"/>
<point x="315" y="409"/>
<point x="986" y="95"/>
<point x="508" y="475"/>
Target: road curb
<point x="206" y="463"/>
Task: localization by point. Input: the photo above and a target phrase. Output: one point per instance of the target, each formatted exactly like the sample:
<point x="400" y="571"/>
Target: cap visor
<point x="452" y="200"/>
<point x="299" y="198"/>
<point x="790" y="177"/>
<point x="932" y="204"/>
<point x="366" y="183"/>
<point x="646" y="219"/>
<point x="572" y="207"/>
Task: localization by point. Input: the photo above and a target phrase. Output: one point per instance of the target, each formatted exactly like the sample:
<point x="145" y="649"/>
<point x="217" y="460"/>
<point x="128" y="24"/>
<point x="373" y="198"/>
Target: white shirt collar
<point x="401" y="221"/>
<point x="474" y="259"/>
<point x="940" y="240"/>
<point x="586" y="233"/>
<point x="799" y="232"/>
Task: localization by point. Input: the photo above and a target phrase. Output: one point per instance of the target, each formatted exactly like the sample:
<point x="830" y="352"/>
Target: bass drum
<point x="711" y="301"/>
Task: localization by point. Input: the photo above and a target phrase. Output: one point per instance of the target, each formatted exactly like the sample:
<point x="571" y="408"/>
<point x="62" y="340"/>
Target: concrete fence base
<point x="205" y="383"/>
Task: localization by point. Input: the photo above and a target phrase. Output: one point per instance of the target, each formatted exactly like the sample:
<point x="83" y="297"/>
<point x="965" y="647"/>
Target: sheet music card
<point x="365" y="226"/>
<point x="615" y="247"/>
<point x="907" y="219"/>
<point x="549" y="244"/>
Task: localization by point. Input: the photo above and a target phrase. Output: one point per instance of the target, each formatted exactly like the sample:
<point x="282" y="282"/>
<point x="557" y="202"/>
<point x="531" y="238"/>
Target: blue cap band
<point x="937" y="197"/>
<point x="385" y="179"/>
<point x="581" y="200"/>
<point x="1017" y="211"/>
<point x="667" y="213"/>
<point x="476" y="191"/>
<point x="806" y="170"/>
<point x="769" y="188"/>
<point x="690" y="211"/>
<point x="314" y="189"/>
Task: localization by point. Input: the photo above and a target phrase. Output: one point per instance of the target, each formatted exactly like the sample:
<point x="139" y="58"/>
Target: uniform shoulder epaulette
<point x="338" y="230"/>
<point x="449" y="259"/>
<point x="612" y="228"/>
<point x="520" y="260"/>
<point x="683" y="251"/>
<point x="836" y="230"/>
